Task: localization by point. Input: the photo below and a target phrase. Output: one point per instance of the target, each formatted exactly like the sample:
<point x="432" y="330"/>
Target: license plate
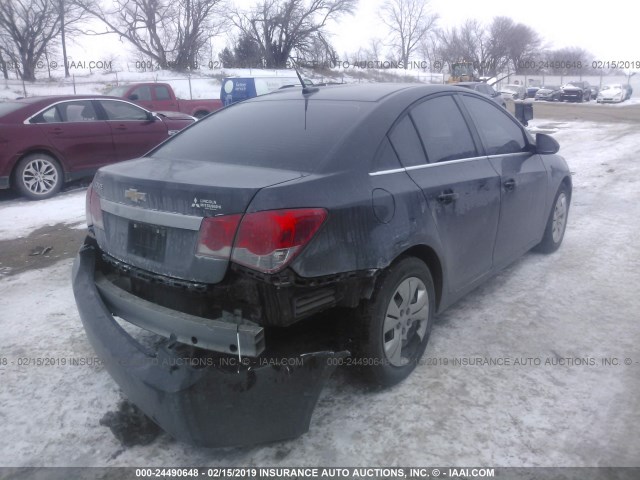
<point x="147" y="241"/>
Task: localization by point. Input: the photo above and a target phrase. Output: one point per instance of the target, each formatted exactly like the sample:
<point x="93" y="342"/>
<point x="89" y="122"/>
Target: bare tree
<point x="524" y="45"/>
<point x="318" y="53"/>
<point x="409" y="22"/>
<point x="430" y="49"/>
<point x="29" y="26"/>
<point x="283" y="28"/>
<point x="568" y="61"/>
<point x="170" y="32"/>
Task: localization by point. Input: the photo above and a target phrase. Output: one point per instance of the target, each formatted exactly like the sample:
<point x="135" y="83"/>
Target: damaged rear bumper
<point x="210" y="405"/>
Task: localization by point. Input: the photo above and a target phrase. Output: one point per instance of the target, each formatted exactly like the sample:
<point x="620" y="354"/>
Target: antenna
<point x="305" y="90"/>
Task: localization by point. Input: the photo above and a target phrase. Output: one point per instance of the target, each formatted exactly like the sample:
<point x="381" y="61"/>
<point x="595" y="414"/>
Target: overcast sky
<point x="609" y="31"/>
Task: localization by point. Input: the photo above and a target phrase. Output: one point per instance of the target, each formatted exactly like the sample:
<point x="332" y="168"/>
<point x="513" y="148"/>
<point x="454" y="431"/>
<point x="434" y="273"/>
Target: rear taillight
<point x="93" y="210"/>
<point x="216" y="236"/>
<point x="268" y="241"/>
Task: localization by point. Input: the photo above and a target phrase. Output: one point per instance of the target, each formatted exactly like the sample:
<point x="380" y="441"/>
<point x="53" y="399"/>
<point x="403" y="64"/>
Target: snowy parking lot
<point x="538" y="367"/>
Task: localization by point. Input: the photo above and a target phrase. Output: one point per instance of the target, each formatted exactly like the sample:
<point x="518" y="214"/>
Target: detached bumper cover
<point x="209" y="406"/>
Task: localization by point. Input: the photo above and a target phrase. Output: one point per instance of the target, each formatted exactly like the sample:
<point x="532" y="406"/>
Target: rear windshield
<point x="9" y="107"/>
<point x="284" y="134"/>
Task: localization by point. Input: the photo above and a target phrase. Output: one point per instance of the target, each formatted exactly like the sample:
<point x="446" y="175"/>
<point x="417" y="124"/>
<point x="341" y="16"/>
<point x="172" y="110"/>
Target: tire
<point x="557" y="222"/>
<point x="38" y="176"/>
<point x="392" y="335"/>
<point x="200" y="114"/>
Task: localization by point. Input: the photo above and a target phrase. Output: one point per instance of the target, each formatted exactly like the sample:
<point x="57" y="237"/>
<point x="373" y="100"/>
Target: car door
<point x="75" y="130"/>
<point x="162" y="99"/>
<point x="462" y="189"/>
<point x="522" y="174"/>
<point x="133" y="133"/>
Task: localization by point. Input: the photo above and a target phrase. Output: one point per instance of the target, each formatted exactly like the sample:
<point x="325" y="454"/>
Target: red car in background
<point x="160" y="96"/>
<point x="47" y="141"/>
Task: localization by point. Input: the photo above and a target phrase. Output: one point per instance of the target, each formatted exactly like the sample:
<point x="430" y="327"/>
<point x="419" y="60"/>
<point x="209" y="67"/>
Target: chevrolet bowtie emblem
<point x="134" y="195"/>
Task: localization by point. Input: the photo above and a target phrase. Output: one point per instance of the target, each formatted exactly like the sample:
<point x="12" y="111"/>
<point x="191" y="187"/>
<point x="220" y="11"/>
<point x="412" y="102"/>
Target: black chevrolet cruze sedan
<point x="390" y="201"/>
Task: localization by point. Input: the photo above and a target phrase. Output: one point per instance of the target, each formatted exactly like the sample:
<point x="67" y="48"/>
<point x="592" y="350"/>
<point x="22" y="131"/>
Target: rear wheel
<point x="200" y="114"/>
<point x="557" y="222"/>
<point x="393" y="327"/>
<point x="38" y="176"/>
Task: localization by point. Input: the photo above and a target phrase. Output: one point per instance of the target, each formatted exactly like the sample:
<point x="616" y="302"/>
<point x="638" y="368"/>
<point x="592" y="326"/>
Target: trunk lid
<point x="153" y="208"/>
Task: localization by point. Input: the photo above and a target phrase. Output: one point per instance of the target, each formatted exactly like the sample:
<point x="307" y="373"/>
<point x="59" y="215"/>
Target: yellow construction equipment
<point x="462" y="72"/>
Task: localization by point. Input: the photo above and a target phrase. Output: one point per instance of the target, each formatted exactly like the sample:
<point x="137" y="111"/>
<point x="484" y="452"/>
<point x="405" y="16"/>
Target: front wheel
<point x="557" y="222"/>
<point x="393" y="327"/>
<point x="38" y="176"/>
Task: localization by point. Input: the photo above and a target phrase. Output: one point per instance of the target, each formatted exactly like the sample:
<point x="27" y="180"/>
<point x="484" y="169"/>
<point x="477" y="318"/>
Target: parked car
<point x="577" y="91"/>
<point x="388" y="200"/>
<point x="628" y="90"/>
<point x="615" y="93"/>
<point x="486" y="90"/>
<point x="550" y="93"/>
<point x="47" y="141"/>
<point x="160" y="96"/>
<point x="513" y="92"/>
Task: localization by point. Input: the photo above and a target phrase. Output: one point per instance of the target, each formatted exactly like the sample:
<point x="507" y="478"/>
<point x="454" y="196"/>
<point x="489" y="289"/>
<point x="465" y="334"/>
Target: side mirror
<point x="546" y="144"/>
<point x="133" y="97"/>
<point x="151" y="117"/>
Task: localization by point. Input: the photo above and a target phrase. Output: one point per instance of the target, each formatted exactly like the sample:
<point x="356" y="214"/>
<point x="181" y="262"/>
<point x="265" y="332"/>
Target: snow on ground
<point x="20" y="217"/>
<point x="581" y="303"/>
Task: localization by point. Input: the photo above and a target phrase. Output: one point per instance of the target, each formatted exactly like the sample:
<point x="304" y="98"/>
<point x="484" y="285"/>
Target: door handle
<point x="509" y="185"/>
<point x="56" y="131"/>
<point x="447" y="197"/>
<point x="121" y="127"/>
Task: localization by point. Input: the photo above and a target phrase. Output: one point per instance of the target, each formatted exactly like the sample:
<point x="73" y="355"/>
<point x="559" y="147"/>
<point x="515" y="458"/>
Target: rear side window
<point x="48" y="116"/>
<point x="406" y="143"/>
<point x="386" y="159"/>
<point x="443" y="130"/>
<point x="500" y="134"/>
<point x="72" y="112"/>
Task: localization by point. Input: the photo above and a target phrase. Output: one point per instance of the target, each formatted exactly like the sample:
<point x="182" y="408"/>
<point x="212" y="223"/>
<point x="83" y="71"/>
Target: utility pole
<point x="64" y="44"/>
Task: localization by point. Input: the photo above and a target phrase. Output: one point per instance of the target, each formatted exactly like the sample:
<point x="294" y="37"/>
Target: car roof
<point x="59" y="98"/>
<point x="358" y="92"/>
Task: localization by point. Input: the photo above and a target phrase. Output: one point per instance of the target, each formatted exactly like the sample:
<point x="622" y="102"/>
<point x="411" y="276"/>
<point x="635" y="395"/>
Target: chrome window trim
<point x="501" y="155"/>
<point x="154" y="217"/>
<point x="426" y="165"/>
<point x="28" y="120"/>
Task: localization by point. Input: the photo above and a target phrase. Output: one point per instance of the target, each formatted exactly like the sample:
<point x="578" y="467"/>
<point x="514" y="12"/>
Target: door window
<point x="499" y="132"/>
<point x="122" y="111"/>
<point x="443" y="130"/>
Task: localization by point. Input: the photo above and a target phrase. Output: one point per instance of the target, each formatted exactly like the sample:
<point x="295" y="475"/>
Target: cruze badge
<point x="134" y="195"/>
